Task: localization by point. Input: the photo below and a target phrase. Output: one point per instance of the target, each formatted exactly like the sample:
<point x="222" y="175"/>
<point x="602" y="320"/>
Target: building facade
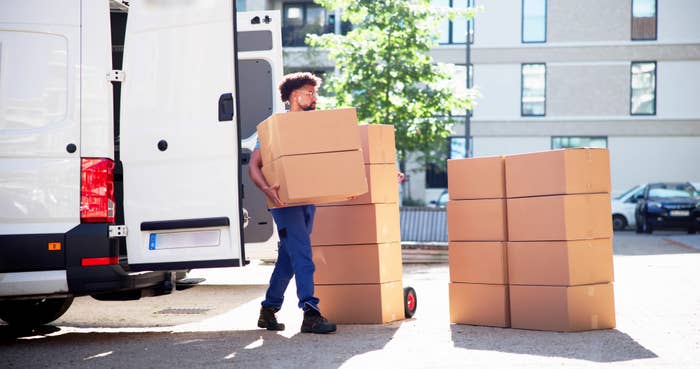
<point x="620" y="74"/>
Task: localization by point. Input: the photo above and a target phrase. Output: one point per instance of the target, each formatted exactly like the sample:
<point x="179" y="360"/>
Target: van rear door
<point x="179" y="137"/>
<point x="260" y="72"/>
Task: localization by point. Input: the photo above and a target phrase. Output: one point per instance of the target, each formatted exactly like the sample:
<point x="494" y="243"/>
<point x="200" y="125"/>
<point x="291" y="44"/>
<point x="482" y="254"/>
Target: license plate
<point x="679" y="213"/>
<point x="187" y="239"/>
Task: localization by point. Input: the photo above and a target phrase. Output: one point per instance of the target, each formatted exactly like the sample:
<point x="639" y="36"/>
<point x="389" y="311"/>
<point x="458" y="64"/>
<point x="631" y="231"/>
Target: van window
<point x="33" y="79"/>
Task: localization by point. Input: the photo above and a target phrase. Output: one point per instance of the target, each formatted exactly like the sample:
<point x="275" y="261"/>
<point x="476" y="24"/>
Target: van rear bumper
<point x="29" y="260"/>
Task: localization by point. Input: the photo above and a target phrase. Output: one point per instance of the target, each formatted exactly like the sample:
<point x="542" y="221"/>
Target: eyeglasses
<point x="310" y="93"/>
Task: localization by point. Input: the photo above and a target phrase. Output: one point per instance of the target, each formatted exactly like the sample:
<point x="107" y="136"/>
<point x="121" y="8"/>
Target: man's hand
<point x="271" y="193"/>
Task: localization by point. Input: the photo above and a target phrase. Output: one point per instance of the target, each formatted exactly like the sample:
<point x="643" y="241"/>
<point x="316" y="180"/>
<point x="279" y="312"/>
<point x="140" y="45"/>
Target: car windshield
<point x="665" y="192"/>
<point x="635" y="188"/>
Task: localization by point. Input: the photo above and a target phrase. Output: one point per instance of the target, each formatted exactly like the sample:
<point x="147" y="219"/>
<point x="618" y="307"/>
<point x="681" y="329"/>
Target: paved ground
<point x="213" y="326"/>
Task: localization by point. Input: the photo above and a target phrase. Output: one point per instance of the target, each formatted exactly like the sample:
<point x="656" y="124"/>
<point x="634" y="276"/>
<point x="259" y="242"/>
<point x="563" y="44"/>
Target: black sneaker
<point x="314" y="322"/>
<point x="268" y="320"/>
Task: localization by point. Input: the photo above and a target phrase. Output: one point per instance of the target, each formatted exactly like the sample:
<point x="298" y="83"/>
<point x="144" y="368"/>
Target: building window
<point x="534" y="21"/>
<point x="455" y="31"/>
<point x="532" y="94"/>
<point x="436" y="175"/>
<point x="569" y="142"/>
<point x="457" y="150"/>
<point x="460" y="85"/>
<point x="240" y="5"/>
<point x="300" y="19"/>
<point x="643" y="88"/>
<point x="644" y="19"/>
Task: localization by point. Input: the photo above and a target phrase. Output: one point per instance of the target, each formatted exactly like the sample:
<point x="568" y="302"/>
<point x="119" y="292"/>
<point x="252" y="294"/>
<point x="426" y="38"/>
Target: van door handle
<point x="226" y="107"/>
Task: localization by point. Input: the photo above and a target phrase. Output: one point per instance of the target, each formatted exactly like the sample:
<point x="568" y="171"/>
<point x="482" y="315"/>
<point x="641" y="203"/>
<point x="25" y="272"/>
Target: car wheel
<point x="619" y="222"/>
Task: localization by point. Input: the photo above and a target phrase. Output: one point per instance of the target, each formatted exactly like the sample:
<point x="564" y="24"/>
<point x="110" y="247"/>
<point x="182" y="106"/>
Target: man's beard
<point x="309" y="107"/>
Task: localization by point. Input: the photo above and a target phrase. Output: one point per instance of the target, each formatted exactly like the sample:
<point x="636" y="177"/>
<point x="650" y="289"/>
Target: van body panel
<point x="39" y="116"/>
<point x="180" y="162"/>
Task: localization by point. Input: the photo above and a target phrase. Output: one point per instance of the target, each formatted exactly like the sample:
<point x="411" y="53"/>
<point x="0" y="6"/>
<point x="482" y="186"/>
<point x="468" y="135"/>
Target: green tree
<point x="383" y="69"/>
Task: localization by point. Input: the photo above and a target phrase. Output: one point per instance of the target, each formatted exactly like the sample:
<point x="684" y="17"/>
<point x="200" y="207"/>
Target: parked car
<point x="668" y="205"/>
<point x="442" y="200"/>
<point x="623" y="207"/>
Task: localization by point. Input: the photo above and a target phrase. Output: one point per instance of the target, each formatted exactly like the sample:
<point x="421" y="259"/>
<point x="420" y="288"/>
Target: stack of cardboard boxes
<point x="476" y="225"/>
<point x="313" y="156"/>
<point x="556" y="271"/>
<point x="560" y="240"/>
<point x="357" y="244"/>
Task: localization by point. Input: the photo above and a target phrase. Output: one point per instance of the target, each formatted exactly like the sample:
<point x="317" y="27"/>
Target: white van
<point x="124" y="133"/>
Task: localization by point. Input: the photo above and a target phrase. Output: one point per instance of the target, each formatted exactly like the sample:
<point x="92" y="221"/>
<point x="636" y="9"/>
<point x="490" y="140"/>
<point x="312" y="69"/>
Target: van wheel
<point x="619" y="222"/>
<point x="34" y="312"/>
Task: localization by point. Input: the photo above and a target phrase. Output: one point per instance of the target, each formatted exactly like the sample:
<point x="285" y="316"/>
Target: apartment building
<point x="621" y="74"/>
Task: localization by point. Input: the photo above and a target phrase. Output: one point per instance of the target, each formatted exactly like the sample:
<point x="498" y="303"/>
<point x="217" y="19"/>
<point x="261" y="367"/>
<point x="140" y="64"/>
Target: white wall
<point x="498" y="25"/>
<point x="678" y="21"/>
<point x="635" y="160"/>
<point x="678" y="89"/>
<point x="490" y="146"/>
<point x="499" y="85"/>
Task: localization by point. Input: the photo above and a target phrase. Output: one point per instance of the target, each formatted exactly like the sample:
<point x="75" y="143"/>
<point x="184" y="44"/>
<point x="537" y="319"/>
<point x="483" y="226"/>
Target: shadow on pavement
<point x="241" y="348"/>
<point x="608" y="345"/>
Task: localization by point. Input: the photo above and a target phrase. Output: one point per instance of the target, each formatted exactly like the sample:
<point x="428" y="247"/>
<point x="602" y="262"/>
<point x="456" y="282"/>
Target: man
<point x="294" y="226"/>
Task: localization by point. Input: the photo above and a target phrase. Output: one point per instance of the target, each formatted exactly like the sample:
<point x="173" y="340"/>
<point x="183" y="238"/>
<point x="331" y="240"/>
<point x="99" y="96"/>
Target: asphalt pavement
<point x="214" y="325"/>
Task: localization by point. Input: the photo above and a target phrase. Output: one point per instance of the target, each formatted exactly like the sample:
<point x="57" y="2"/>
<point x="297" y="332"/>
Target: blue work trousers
<point x="294" y="225"/>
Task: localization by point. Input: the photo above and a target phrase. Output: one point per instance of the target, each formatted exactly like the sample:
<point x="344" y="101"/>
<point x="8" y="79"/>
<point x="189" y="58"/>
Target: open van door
<point x="259" y="43"/>
<point x="179" y="135"/>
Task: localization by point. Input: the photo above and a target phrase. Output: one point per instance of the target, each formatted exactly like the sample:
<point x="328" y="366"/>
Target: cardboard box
<point x="308" y="132"/>
<point x="378" y="143"/>
<point x="560" y="263"/>
<point x="563" y="309"/>
<point x="362" y="303"/>
<point x="558" y="172"/>
<point x="383" y="183"/>
<point x="356" y="224"/>
<point x="478" y="262"/>
<point x="559" y="218"/>
<point x="479" y="304"/>
<point x="476" y="178"/>
<point x="476" y="220"/>
<point x="358" y="264"/>
<point x="317" y="178"/>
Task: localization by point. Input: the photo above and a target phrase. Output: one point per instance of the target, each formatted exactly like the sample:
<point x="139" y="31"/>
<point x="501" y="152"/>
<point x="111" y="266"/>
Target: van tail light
<point x="109" y="260"/>
<point x="96" y="190"/>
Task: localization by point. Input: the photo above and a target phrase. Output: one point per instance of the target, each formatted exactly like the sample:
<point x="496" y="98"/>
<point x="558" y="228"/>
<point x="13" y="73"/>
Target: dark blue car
<point x="668" y="206"/>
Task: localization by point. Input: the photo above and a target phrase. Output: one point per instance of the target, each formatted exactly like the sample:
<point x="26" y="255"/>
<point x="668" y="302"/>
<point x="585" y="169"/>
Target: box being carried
<point x="313" y="156"/>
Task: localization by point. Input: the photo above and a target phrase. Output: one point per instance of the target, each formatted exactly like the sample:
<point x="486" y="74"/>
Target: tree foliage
<point x="383" y="69"/>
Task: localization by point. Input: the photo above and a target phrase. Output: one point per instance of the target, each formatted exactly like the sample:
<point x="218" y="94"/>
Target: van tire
<point x="33" y="312"/>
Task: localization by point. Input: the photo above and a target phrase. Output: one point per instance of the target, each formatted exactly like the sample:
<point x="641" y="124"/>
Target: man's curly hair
<point x="293" y="81"/>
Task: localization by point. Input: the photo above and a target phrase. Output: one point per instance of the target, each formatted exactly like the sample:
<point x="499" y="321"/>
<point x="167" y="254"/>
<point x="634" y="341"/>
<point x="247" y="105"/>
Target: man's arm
<point x="258" y="178"/>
